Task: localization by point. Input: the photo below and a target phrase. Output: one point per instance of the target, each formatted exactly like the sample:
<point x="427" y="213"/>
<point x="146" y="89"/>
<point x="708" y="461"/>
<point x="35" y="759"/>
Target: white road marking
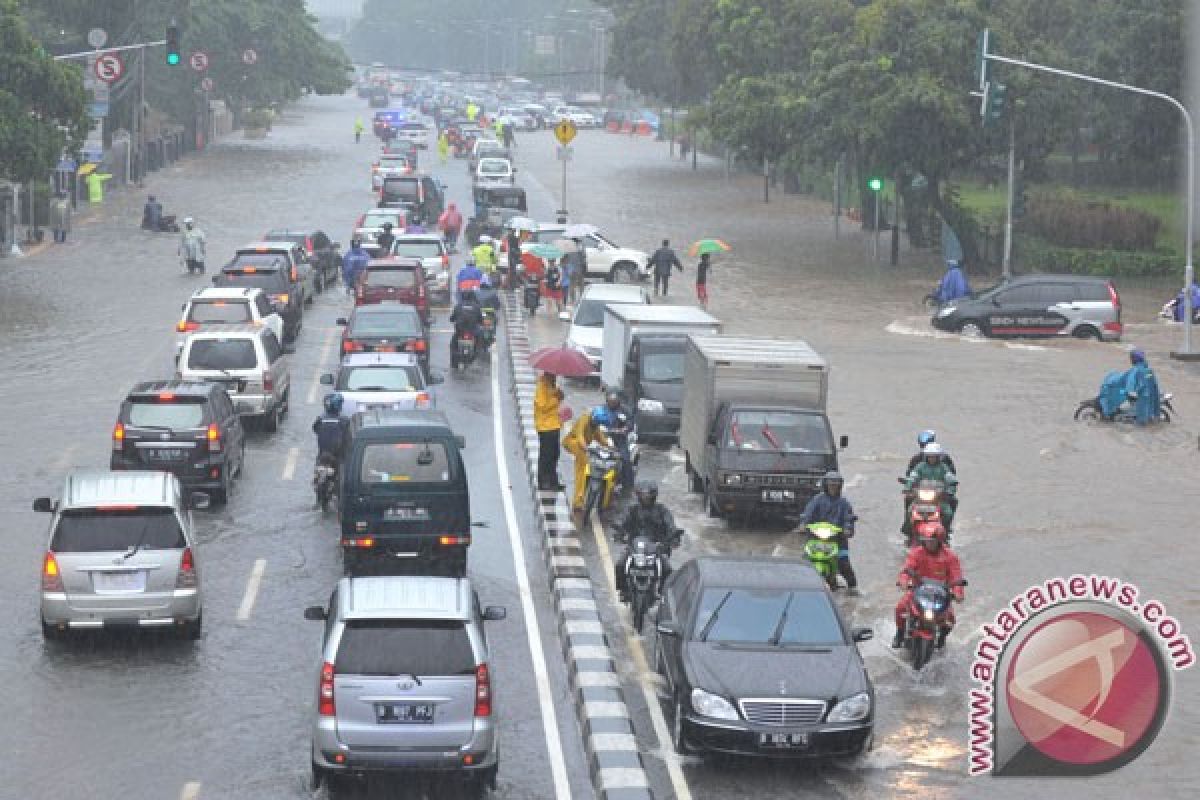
<point x="558" y="766"/>
<point x="330" y="338"/>
<point x="256" y="574"/>
<point x="190" y="791"/>
<point x="649" y="692"/>
<point x="289" y="466"/>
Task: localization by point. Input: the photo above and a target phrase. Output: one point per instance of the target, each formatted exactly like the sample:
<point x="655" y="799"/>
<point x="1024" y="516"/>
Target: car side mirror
<point x="340" y="321"/>
<point x="667" y="629"/>
<point x="844" y="442"/>
<point x="327" y="379"/>
<point x="199" y="500"/>
<point x="862" y="634"/>
<point x="315" y="614"/>
<point x="43" y="504"/>
<point x="961" y="582"/>
<point x="495" y="613"/>
<point x="460" y="441"/>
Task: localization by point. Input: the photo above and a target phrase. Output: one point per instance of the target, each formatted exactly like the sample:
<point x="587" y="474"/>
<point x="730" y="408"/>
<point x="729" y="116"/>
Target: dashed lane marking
<point x="289" y="466"/>
<point x="190" y="791"/>
<point x="243" y="613"/>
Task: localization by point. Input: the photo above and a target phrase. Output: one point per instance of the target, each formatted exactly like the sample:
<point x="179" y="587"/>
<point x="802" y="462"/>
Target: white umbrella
<point x="566" y="245"/>
<point x="522" y="224"/>
<point x="579" y="230"/>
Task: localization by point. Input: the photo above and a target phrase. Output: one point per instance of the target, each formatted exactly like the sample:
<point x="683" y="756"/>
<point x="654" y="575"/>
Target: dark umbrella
<point x="562" y="361"/>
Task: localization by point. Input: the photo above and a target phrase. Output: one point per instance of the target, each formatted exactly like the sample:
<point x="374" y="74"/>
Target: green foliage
<point x="1066" y="220"/>
<point x="1036" y="255"/>
<point x="42" y="103"/>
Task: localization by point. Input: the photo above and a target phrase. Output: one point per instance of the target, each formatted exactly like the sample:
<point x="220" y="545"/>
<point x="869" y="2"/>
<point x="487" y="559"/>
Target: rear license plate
<point x="778" y="495"/>
<point x="124" y="581"/>
<point x="406" y="514"/>
<point x="403" y="713"/>
<point x="386" y="348"/>
<point x="783" y="740"/>
<point x="164" y="454"/>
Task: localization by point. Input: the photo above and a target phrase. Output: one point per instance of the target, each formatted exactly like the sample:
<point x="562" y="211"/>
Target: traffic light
<point x="173" y="57"/>
<point x="875" y="184"/>
<point x="995" y="102"/>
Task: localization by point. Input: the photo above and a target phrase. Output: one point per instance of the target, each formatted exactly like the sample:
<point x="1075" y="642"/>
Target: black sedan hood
<point x="738" y="671"/>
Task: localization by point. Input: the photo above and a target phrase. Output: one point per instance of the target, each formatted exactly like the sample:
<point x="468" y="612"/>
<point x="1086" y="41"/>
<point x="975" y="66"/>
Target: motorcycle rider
<point x="467" y="317"/>
<point x="645" y="518"/>
<point x="1138" y="384"/>
<point x="468" y="279"/>
<point x="353" y="263"/>
<point x="923" y="438"/>
<point x="450" y="223"/>
<point x="932" y="559"/>
<point x="831" y="507"/>
<point x="152" y="214"/>
<point x="619" y="428"/>
<point x="484" y="254"/>
<point x="932" y="467"/>
<point x="953" y="284"/>
<point x="385" y="240"/>
<point x="588" y="427"/>
<point x="333" y="432"/>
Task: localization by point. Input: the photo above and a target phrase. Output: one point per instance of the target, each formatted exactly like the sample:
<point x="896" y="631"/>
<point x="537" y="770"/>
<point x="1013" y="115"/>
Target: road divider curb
<point x="614" y="760"/>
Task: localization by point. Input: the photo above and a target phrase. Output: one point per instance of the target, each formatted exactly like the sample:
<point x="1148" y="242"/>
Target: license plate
<point x="386" y="348"/>
<point x="778" y="495"/>
<point x="403" y="713"/>
<point x="164" y="454"/>
<point x="783" y="739"/>
<point x="406" y="514"/>
<point x="123" y="581"/>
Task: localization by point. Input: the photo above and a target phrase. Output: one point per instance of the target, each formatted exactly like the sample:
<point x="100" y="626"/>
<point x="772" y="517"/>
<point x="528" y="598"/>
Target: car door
<point x="277" y="363"/>
<point x="232" y="432"/>
<point x="1059" y="305"/>
<point x="1011" y="310"/>
<point x="599" y="257"/>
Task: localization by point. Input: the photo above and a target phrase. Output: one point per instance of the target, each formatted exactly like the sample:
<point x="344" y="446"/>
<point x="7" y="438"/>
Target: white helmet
<point x="187" y="220"/>
<point x="932" y="449"/>
<point x="485" y="239"/>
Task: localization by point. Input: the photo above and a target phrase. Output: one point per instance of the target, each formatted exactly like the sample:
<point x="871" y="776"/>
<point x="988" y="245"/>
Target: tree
<point x="42" y="103"/>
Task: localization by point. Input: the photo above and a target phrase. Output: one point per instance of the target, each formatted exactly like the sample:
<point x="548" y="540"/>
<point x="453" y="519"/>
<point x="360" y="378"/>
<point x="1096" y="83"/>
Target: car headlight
<point x="947" y="311"/>
<point x="852" y="709"/>
<point x="650" y="406"/>
<point x="929" y="615"/>
<point x="712" y="705"/>
<point x="731" y="479"/>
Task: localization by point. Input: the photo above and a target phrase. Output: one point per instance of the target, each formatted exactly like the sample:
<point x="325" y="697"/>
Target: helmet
<point x="933" y="449"/>
<point x="601" y="416"/>
<point x="833" y="476"/>
<point x="187" y="220"/>
<point x="646" y="491"/>
<point x="387" y="226"/>
<point x="952" y="263"/>
<point x="1137" y="357"/>
<point x="485" y="239"/>
<point x="926" y="437"/>
<point x="612" y="396"/>
<point x="356" y="241"/>
<point x="333" y="403"/>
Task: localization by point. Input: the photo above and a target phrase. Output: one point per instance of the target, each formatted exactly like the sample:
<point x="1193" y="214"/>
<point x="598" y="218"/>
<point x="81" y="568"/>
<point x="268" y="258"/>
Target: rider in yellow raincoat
<point x="582" y="433"/>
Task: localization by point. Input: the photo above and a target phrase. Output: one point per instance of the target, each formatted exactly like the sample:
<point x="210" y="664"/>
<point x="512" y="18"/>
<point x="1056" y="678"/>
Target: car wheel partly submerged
<point x="972" y="328"/>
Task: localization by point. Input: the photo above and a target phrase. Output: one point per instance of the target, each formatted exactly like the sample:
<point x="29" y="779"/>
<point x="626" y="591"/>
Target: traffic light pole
<point x="1012" y="174"/>
<point x="1187" y="354"/>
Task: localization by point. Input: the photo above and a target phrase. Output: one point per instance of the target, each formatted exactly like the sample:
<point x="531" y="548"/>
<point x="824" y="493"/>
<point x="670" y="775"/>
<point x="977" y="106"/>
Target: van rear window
<point x="395" y="647"/>
<point x="182" y="412"/>
<point x="97" y="530"/>
<point x="222" y="354"/>
<point x="209" y="312"/>
<point x="394" y="278"/>
<point x="405" y="462"/>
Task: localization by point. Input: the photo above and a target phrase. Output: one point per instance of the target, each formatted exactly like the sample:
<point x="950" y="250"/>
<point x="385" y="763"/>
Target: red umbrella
<point x="562" y="361"/>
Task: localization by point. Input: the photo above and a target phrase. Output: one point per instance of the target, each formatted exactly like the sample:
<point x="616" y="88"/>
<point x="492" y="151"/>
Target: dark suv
<point x="324" y="254"/>
<point x="420" y="194"/>
<point x="1082" y="306"/>
<point x="274" y="275"/>
<point x="187" y="428"/>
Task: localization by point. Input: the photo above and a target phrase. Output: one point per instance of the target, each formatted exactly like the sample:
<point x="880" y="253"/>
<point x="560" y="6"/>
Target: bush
<point x="257" y="118"/>
<point x="1068" y="221"/>
<point x="1037" y="255"/>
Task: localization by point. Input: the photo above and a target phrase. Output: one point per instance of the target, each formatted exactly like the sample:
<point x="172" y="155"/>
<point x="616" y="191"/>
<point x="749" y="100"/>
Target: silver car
<point x="404" y="682"/>
<point x="381" y="380"/>
<point x="249" y="362"/>
<point x="121" y="554"/>
<point x="435" y="258"/>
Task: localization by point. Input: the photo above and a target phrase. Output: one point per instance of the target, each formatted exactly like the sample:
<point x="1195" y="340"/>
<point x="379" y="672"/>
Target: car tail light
<point x="351" y="346"/>
<point x="249" y="270"/>
<point x="295" y="276"/>
<point x="483" y="691"/>
<point x="268" y="383"/>
<point x="445" y="260"/>
<point x="422" y="399"/>
<point x="1116" y="298"/>
<point x="118" y="436"/>
<point x="1113" y="327"/>
<point x="416" y="346"/>
<point x="186" y="579"/>
<point x="51" y="577"/>
<point x="454" y="540"/>
<point x="166" y="397"/>
<point x="184" y="327"/>
<point x="213" y="434"/>
<point x="308" y="245"/>
<point x="280" y="299"/>
<point x="325" y="702"/>
<point x="361" y="541"/>
<point x="361" y="217"/>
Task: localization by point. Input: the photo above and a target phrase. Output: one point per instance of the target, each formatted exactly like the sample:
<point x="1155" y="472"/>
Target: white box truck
<point x="754" y="431"/>
<point x="643" y="350"/>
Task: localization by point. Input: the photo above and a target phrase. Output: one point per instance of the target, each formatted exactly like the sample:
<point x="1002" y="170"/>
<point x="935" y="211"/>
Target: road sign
<point x="109" y="68"/>
<point x="97" y="110"/>
<point x="199" y="61"/>
<point x="564" y="153"/>
<point x="97" y="37"/>
<point x="249" y="56"/>
<point x="206" y="84"/>
<point x="565" y="131"/>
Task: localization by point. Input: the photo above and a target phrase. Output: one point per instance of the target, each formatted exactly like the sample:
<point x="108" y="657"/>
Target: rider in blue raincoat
<point x="468" y="279"/>
<point x="954" y="284"/>
<point x="1178" y="306"/>
<point x="1137" y="384"/>
<point x="353" y="263"/>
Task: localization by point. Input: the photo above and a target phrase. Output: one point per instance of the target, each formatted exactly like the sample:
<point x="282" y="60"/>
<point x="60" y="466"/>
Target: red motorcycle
<point x="923" y="510"/>
<point x="928" y="616"/>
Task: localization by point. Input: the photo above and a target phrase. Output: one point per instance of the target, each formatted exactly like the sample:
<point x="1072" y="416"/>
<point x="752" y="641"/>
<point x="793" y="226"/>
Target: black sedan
<point x="324" y="253"/>
<point x="760" y="663"/>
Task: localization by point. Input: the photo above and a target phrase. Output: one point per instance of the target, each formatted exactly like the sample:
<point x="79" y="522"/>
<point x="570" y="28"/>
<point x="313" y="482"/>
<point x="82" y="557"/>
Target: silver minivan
<point x="248" y="361"/>
<point x="121" y="554"/>
<point x="404" y="682"/>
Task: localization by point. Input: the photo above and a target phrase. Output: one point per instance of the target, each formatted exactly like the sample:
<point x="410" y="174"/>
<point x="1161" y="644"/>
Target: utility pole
<point x="837" y="199"/>
<point x="895" y="254"/>
<point x="1012" y="175"/>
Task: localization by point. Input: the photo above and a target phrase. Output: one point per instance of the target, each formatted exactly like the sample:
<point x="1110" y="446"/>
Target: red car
<point x="386" y="328"/>
<point x="400" y="280"/>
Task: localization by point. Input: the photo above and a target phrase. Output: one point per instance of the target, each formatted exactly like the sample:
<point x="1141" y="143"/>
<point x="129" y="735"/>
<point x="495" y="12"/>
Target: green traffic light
<point x="173" y="59"/>
<point x="875" y="184"/>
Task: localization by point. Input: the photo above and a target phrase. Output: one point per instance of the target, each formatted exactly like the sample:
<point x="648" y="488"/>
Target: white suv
<point x="249" y="362"/>
<point x="605" y="258"/>
<point x="221" y="307"/>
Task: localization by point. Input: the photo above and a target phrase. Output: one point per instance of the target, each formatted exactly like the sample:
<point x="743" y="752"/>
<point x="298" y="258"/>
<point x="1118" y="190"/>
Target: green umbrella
<point x="708" y="246"/>
<point x="543" y="250"/>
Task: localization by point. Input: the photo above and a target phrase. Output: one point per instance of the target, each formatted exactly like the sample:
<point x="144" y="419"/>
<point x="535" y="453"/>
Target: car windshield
<point x="399" y="647"/>
<point x="393" y="162"/>
<point x="411" y="249"/>
<point x="222" y="354"/>
<point x="391" y="278"/>
<point x="117" y="529"/>
<point x="779" y="431"/>
<point x="514" y="201"/>
<point x="405" y="462"/>
<point x="381" y="379"/>
<point x="220" y="311"/>
<point x="494" y="166"/>
<point x="154" y="413"/>
<point x="397" y="323"/>
<point x="767" y="616"/>
<point x="662" y="367"/>
<point x="400" y="188"/>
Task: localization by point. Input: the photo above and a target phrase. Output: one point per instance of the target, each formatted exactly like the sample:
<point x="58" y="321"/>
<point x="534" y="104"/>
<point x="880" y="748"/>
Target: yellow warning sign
<point x="565" y="131"/>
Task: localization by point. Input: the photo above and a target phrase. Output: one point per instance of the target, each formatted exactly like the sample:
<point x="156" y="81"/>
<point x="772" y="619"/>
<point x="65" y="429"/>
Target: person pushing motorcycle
<point x="932" y="560"/>
<point x="831" y="507"/>
<point x="589" y="427"/>
<point x="645" y="518"/>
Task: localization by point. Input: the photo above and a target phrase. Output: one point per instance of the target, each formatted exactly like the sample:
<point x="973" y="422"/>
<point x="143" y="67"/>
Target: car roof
<point x="154" y="388"/>
<point x="386" y="421"/>
<point x="225" y="293"/>
<point x="419" y="237"/>
<point x="89" y="488"/>
<point x="387" y="307"/>
<point x="267" y="246"/>
<point x="380" y="360"/>
<point x="276" y="232"/>
<point x="243" y="331"/>
<point x="1047" y="277"/>
<point x="405" y="597"/>
<point x="613" y="291"/>
<point x="394" y="262"/>
<point x="757" y="572"/>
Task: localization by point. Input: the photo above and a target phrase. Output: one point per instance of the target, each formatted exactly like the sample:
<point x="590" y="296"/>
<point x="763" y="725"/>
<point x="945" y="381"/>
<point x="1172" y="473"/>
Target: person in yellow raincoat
<point x="472" y="111"/>
<point x="443" y="147"/>
<point x="582" y="433"/>
<point x="484" y="254"/>
<point x="359" y="127"/>
<point x="95" y="186"/>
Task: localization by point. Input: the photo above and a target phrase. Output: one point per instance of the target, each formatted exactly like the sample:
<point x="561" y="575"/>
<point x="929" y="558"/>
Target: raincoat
<point x="353" y="263"/>
<point x="1137" y="383"/>
<point x="1179" y="303"/>
<point x="443" y="147"/>
<point x="546" y="400"/>
<point x="60" y="215"/>
<point x="485" y="257"/>
<point x="582" y="433"/>
<point x="953" y="286"/>
<point x="95" y="186"/>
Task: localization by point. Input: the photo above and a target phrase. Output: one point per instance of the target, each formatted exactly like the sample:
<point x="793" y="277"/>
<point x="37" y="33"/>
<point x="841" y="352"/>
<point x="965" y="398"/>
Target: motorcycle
<point x="1089" y="411"/>
<point x="923" y="509"/>
<point x="927" y="618"/>
<point x="324" y="483"/>
<point x="821" y="550"/>
<point x="601" y="473"/>
<point x="166" y="224"/>
<point x="645" y="568"/>
<point x="489" y="326"/>
<point x="464" y="351"/>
